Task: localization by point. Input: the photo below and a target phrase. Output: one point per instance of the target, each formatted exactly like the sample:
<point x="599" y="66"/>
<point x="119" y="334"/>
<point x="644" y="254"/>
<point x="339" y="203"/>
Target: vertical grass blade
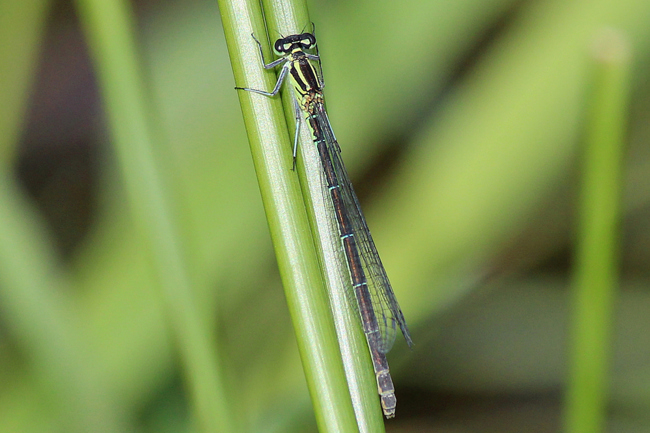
<point x="596" y="273"/>
<point x="269" y="139"/>
<point x="109" y="30"/>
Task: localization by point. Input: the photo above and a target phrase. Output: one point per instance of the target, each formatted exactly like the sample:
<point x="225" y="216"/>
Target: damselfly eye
<point x="307" y="41"/>
<point x="280" y="46"/>
<point x="312" y="39"/>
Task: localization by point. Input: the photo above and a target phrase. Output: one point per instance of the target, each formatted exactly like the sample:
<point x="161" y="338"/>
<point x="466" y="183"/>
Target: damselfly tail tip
<point x="388" y="405"/>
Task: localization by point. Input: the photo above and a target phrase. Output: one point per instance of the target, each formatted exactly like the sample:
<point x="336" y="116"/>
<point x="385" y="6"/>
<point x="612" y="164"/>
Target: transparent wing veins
<point x="388" y="312"/>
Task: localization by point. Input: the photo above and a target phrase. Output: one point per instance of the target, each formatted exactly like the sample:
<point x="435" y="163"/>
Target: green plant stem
<point x="108" y="26"/>
<point x="269" y="138"/>
<point x="596" y="271"/>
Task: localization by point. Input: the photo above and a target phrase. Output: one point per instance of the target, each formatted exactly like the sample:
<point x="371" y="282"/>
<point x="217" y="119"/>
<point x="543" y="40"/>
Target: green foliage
<point x="477" y="109"/>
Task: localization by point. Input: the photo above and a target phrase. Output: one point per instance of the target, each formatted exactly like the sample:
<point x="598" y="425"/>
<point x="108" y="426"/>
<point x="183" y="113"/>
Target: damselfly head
<point x="303" y="41"/>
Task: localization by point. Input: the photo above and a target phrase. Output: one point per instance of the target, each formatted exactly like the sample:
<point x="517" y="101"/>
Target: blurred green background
<point x="461" y="124"/>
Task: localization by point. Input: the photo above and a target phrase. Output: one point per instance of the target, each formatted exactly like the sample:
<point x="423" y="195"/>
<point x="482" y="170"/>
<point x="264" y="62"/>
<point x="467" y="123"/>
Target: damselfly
<point x="378" y="308"/>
